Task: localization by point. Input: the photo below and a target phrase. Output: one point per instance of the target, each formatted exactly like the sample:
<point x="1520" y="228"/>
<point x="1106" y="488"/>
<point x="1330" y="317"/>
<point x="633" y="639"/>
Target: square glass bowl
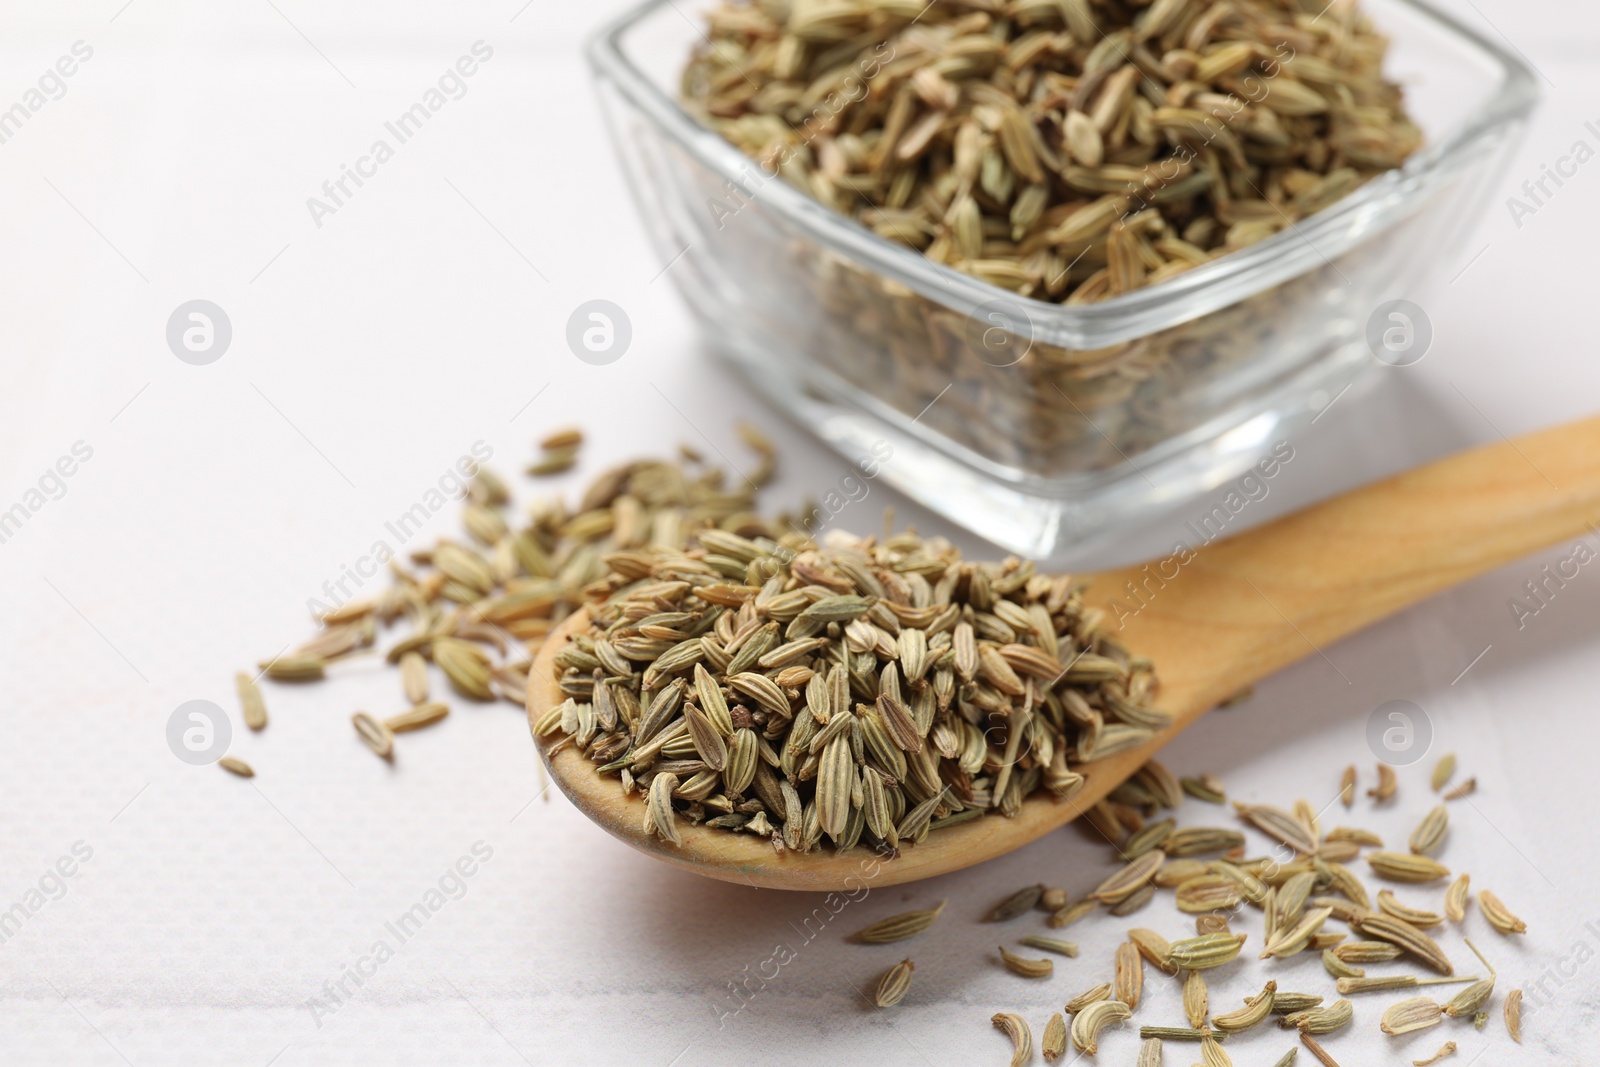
<point x="1041" y="427"/>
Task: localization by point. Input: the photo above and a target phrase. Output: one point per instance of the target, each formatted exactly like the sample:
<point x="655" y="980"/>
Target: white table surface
<point x="427" y="315"/>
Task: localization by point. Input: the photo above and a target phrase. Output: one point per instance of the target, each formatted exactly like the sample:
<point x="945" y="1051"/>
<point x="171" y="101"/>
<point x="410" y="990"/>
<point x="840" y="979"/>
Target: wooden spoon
<point x="1235" y="612"/>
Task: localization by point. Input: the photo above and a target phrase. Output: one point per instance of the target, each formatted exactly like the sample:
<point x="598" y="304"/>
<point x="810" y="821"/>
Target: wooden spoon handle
<point x="1327" y="571"/>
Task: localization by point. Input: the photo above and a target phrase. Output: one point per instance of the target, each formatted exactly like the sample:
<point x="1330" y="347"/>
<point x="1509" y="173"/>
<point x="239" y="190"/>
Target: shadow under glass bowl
<point x="1041" y="427"/>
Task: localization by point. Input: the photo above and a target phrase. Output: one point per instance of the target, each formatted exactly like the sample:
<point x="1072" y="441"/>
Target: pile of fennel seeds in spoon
<point x="858" y="690"/>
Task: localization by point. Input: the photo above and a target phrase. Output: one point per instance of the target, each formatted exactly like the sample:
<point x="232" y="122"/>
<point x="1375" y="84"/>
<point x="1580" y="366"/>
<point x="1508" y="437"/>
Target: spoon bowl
<point x="1214" y="619"/>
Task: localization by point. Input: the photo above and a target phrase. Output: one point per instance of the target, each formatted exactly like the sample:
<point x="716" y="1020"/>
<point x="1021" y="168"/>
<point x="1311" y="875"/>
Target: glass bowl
<point x="1042" y="427"/>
